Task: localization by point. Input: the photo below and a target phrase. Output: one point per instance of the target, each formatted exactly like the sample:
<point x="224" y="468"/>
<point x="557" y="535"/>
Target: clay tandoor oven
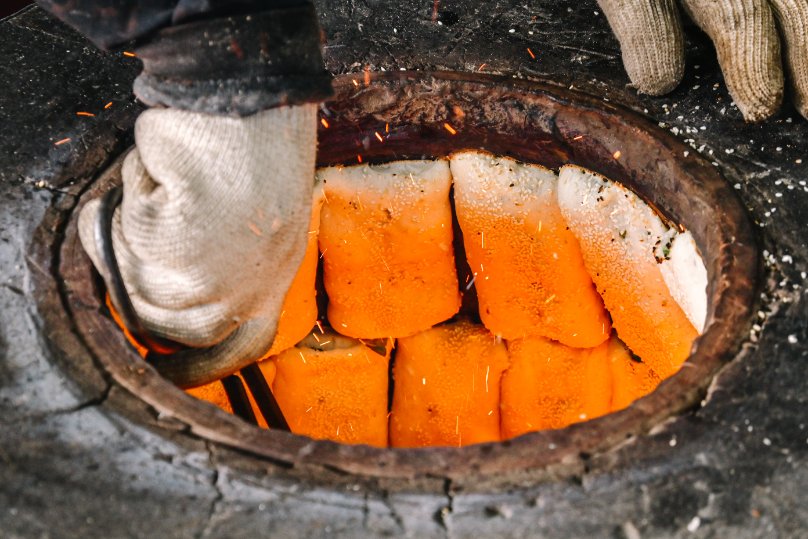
<point x="665" y="465"/>
<point x="530" y="122"/>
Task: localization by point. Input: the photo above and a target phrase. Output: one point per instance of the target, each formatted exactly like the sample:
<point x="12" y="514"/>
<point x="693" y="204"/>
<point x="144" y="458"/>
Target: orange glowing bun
<point x="550" y="385"/>
<point x="335" y="388"/>
<point x="215" y="394"/>
<point x="529" y="273"/>
<point x="299" y="312"/>
<point x="386" y="243"/>
<point x="447" y="386"/>
<point x="624" y="243"/>
<point x="631" y="379"/>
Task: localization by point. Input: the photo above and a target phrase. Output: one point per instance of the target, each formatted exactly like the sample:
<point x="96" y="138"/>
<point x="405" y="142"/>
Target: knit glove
<point x="745" y="38"/>
<point x="212" y="229"/>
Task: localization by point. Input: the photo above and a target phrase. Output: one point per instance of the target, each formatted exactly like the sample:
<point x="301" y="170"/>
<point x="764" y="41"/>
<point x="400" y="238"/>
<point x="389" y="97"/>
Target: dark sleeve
<point x="233" y="57"/>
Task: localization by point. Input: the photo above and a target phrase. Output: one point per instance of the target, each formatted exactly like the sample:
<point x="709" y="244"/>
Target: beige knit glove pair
<point x="745" y="37"/>
<point x="212" y="229"/>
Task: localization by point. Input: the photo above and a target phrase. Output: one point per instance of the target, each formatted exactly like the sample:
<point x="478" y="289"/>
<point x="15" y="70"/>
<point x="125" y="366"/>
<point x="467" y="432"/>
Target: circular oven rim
<point x="732" y="268"/>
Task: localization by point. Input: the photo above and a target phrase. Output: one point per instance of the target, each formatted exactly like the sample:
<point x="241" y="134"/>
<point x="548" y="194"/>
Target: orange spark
<point x="386" y="128"/>
<point x="367" y="75"/>
<point x="90" y="114"/>
<point x="481" y="66"/>
<point x="579" y="137"/>
<point x="60" y="142"/>
<point x="458" y="112"/>
<point x="129" y="54"/>
<point x="450" y="129"/>
<point x="487" y="371"/>
<point x="617" y="154"/>
<point x="324" y="122"/>
<point x="378" y="136"/>
<point x="355" y="83"/>
<point x="108" y="105"/>
<point x="530" y="52"/>
<point x="359" y="158"/>
<point x="254" y="228"/>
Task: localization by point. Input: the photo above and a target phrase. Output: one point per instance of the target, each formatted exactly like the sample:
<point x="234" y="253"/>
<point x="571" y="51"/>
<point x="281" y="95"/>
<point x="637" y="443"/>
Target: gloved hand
<point x="745" y="38"/>
<point x="212" y="229"/>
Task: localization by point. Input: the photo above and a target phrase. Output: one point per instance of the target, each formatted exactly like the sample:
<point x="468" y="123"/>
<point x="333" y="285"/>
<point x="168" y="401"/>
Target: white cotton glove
<point x="745" y="38"/>
<point x="212" y="229"/>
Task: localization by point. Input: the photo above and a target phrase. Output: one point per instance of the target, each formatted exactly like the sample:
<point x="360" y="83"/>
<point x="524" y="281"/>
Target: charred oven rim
<point x="530" y="120"/>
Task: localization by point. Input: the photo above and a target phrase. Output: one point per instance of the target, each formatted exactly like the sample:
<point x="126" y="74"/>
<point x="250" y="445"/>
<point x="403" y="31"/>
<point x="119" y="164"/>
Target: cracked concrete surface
<point x="84" y="458"/>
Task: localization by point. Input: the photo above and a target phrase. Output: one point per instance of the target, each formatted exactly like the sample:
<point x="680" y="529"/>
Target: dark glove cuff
<point x="236" y="65"/>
